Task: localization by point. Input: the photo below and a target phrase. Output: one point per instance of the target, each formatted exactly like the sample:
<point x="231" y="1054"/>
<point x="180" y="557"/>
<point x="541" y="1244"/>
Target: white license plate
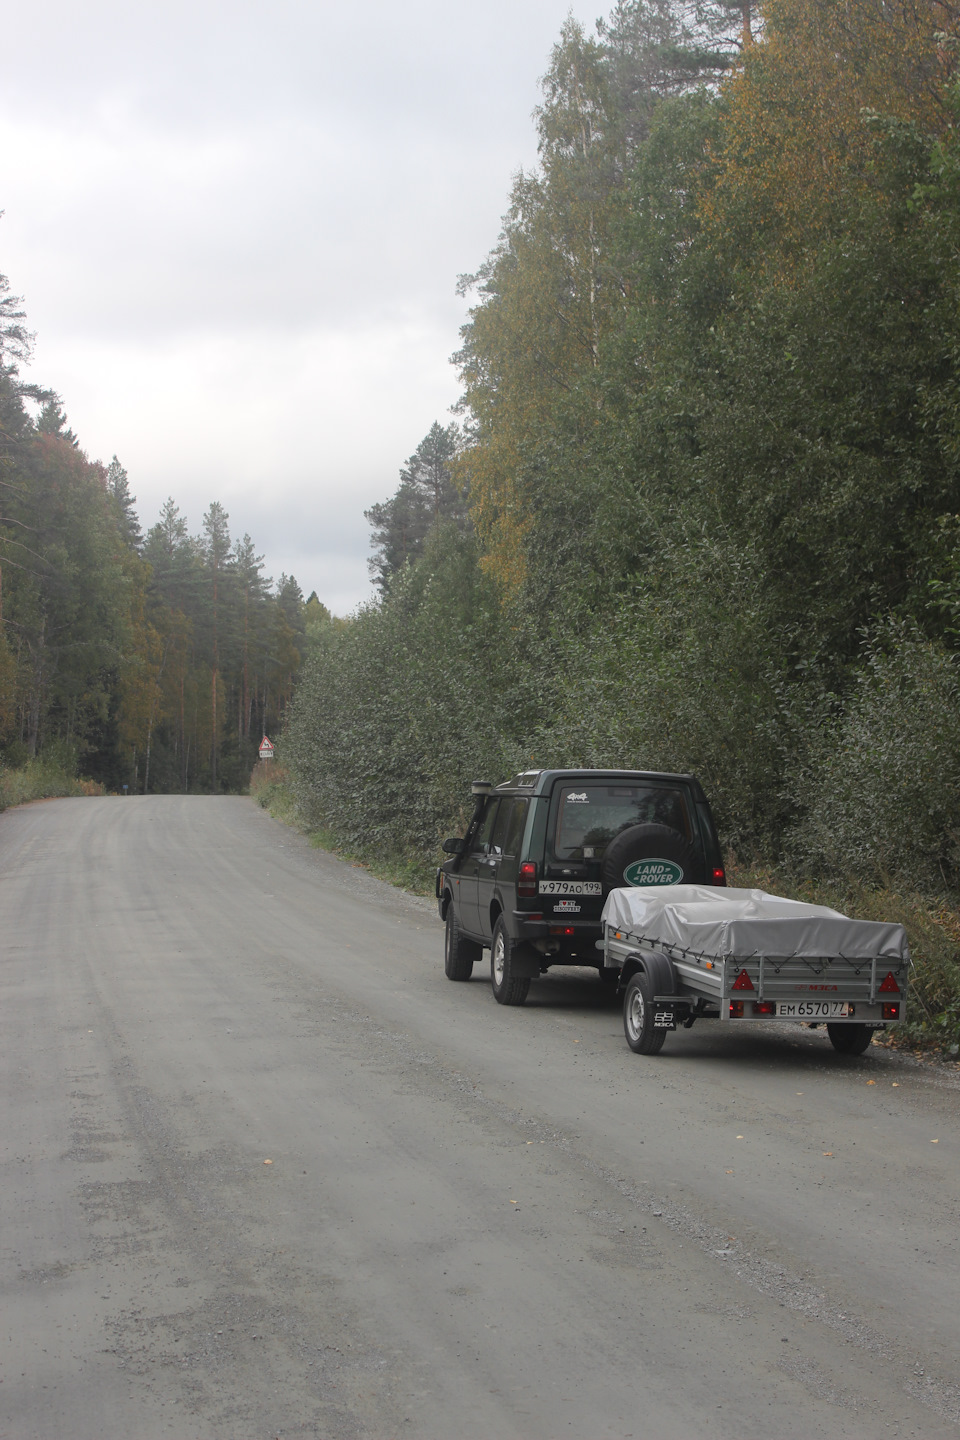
<point x="813" y="1009"/>
<point x="570" y="887"/>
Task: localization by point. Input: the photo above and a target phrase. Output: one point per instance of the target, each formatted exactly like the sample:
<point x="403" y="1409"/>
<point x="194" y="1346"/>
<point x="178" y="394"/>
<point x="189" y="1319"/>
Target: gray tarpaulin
<point x="718" y="921"/>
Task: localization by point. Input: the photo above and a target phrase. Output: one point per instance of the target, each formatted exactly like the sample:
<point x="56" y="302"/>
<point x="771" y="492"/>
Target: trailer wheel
<point x="508" y="987"/>
<point x="850" y="1039"/>
<point x="638" y="1016"/>
<point x="459" y="953"/>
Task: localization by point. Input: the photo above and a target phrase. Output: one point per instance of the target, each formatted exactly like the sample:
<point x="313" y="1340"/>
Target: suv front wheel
<point x="508" y="987"/>
<point x="459" y="953"/>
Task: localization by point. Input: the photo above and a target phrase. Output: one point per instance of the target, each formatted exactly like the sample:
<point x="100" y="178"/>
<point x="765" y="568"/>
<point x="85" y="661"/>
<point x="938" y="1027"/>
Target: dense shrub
<point x="42" y="780"/>
<point x="880" y="790"/>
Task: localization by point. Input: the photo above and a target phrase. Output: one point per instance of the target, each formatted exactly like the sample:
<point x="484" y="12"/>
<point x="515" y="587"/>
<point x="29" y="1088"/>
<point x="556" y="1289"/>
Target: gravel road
<point x="266" y="1173"/>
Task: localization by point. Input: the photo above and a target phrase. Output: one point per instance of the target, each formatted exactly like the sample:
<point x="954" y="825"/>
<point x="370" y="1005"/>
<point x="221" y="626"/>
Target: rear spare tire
<point x="669" y="853"/>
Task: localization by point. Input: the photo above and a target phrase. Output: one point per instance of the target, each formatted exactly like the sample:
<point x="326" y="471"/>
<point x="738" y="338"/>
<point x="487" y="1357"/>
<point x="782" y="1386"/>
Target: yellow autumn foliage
<point x="796" y="139"/>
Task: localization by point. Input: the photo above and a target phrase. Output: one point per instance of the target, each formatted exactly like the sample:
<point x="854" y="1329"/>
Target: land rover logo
<point x="653" y="872"/>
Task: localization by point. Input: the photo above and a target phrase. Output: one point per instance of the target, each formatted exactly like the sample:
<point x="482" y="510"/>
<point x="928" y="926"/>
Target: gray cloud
<point x="238" y="230"/>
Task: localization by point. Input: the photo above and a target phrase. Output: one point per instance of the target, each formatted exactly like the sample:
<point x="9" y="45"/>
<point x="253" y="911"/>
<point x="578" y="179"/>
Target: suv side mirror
<point x="453" y="847"/>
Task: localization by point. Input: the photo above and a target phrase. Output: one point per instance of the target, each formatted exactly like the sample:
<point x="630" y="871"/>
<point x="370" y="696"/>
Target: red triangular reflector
<point x="743" y="981"/>
<point x="890" y="986"/>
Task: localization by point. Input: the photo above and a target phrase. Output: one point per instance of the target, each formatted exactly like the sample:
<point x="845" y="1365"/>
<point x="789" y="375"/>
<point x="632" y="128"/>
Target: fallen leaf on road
<point x="268" y="1162"/>
<point x="828" y="1153"/>
<point x="934" y="1142"/>
<point x="871" y="1082"/>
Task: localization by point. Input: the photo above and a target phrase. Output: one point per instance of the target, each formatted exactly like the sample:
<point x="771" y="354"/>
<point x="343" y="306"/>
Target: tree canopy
<point x="709" y="449"/>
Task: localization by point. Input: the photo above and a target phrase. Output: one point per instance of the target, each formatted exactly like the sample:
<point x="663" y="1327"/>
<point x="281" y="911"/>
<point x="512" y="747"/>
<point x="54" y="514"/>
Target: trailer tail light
<point x="527" y="880"/>
<point x="718" y="875"/>
<point x="743" y="981"/>
<point x="890" y="986"/>
<point x="764" y="1007"/>
<point x="890" y="1012"/>
<point x="736" y="1009"/>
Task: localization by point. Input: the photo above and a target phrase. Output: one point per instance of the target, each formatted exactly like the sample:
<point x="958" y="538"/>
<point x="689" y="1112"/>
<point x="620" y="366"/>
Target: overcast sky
<point x="238" y="230"/>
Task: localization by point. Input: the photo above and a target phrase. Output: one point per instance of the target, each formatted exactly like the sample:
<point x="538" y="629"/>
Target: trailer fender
<point x="655" y="964"/>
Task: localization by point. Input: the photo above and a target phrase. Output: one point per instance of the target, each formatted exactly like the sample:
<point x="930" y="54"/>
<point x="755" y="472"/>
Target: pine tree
<point x="119" y="487"/>
<point x="216" y="554"/>
<point x="428" y="493"/>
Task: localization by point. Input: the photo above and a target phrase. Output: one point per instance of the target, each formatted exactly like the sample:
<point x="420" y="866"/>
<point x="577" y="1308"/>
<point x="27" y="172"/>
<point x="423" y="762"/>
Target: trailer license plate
<point x="570" y="887"/>
<point x="813" y="1009"/>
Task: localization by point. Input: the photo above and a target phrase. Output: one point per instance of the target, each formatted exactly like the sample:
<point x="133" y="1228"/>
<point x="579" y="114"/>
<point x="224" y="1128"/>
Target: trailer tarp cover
<point x="719" y="921"/>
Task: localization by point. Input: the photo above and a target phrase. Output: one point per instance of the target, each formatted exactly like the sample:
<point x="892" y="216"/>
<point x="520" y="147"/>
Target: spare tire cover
<point x="647" y="855"/>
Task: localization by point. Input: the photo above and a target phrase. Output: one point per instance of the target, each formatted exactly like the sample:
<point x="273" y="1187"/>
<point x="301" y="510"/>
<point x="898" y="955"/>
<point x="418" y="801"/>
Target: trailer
<point x="683" y="953"/>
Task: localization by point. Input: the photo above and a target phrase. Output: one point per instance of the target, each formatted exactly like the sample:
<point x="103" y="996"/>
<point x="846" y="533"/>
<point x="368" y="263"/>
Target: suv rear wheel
<point x="459" y="953"/>
<point x="508" y="987"/>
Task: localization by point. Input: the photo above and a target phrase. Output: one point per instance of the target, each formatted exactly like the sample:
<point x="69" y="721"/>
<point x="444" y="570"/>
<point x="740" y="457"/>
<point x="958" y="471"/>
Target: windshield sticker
<point x="580" y="799"/>
<point x="653" y="872"/>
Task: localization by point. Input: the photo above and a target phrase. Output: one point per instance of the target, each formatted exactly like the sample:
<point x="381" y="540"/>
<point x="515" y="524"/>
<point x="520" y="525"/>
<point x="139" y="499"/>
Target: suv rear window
<point x="589" y="816"/>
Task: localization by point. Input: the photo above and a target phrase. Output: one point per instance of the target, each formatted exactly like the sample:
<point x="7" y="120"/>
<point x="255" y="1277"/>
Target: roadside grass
<point x="270" y="786"/>
<point x="933" y="931"/>
<point x="41" y="780"/>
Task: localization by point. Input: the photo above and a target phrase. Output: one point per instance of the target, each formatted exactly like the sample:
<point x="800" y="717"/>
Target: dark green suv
<point x="529" y="878"/>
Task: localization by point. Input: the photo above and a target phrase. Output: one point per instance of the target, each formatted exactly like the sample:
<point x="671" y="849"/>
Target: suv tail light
<point x="527" y="880"/>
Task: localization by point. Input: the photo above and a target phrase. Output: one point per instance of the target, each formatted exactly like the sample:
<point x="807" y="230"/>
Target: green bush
<point x="42" y="779"/>
<point x="879" y="786"/>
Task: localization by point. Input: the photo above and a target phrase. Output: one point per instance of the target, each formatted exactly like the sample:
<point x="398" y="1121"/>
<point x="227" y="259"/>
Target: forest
<point x="140" y="662"/>
<point x="700" y="509"/>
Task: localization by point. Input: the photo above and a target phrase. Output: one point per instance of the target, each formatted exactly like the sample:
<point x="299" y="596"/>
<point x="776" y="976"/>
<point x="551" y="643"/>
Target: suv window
<point x="589" y="816"/>
<point x="481" y="840"/>
<point x="508" y="831"/>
